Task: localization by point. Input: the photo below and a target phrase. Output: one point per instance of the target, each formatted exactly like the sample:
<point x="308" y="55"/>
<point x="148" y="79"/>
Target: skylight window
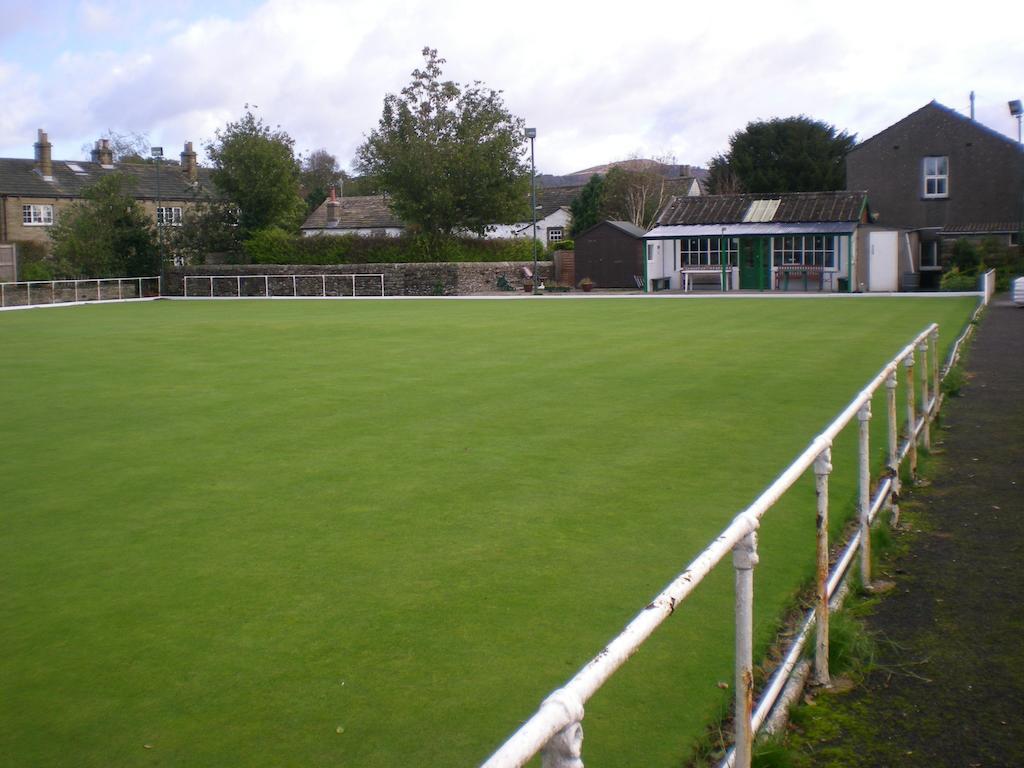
<point x="77" y="169"/>
<point x="762" y="210"/>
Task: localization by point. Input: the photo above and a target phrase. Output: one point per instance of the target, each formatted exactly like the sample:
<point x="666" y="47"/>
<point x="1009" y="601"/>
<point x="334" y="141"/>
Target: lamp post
<point x="531" y="134"/>
<point x="158" y="153"/>
<point x="1016" y="110"/>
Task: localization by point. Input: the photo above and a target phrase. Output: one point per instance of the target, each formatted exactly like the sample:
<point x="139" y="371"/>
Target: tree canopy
<point x="105" y="234"/>
<point x="587" y="207"/>
<point x="319" y="172"/>
<point x="449" y="156"/>
<point x="791" y="154"/>
<point x="254" y="167"/>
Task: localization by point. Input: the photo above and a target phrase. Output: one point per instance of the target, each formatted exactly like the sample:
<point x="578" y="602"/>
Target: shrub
<point x="270" y="245"/>
<point x="955" y="280"/>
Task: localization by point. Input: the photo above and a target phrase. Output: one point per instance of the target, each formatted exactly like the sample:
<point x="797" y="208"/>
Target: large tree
<point x="254" y="167"/>
<point x="635" y="192"/>
<point x="449" y="156"/>
<point x="320" y="172"/>
<point x="791" y="154"/>
<point x="587" y="207"/>
<point x="105" y="234"/>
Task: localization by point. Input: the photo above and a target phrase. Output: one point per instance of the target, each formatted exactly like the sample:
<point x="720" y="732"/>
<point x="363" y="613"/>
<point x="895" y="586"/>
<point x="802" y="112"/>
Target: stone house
<point x="943" y="176"/>
<point x="33" y="192"/>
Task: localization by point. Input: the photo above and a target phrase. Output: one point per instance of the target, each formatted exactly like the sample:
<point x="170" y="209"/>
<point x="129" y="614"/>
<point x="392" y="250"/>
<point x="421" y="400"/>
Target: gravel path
<point x="948" y="689"/>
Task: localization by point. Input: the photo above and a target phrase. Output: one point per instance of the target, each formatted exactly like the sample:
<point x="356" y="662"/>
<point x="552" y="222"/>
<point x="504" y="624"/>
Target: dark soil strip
<point x="948" y="689"/>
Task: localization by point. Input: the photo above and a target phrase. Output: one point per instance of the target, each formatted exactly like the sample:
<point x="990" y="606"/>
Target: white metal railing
<point x="556" y="730"/>
<point x="269" y="286"/>
<point x="38" y="293"/>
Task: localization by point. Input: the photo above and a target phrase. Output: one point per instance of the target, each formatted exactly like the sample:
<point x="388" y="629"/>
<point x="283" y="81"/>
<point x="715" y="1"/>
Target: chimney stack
<point x="188" y="163"/>
<point x="44" y="156"/>
<point x="103" y="154"/>
<point x="333" y="208"/>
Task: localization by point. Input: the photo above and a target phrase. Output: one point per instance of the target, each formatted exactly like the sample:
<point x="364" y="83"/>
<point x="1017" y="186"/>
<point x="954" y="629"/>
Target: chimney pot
<point x="44" y="156"/>
<point x="189" y="168"/>
<point x="103" y="154"/>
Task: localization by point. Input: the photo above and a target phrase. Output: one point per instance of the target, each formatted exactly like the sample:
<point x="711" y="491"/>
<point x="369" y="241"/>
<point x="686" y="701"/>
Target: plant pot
<point x="528" y="287"/>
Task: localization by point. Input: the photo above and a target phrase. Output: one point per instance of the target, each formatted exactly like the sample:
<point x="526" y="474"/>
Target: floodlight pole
<point x="158" y="153"/>
<point x="531" y="134"/>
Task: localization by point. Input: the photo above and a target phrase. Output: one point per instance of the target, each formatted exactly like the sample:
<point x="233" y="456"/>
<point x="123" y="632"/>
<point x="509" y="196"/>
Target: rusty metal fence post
<point x="893" y="463"/>
<point x="911" y="418"/>
<point x="822" y="469"/>
<point x="744" y="558"/>
<point x="864" y="454"/>
<point x="926" y="433"/>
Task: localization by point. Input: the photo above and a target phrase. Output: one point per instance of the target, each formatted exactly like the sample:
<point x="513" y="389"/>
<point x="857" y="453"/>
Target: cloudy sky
<point x="600" y="81"/>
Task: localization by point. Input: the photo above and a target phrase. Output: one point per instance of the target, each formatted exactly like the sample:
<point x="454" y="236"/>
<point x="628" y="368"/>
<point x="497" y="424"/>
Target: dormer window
<point x="936" y="177"/>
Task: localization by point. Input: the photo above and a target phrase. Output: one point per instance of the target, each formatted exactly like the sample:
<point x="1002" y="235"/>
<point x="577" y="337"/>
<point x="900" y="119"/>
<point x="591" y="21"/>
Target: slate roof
<point x="551" y="199"/>
<point x="370" y="212"/>
<point x="19" y="177"/>
<point x="628" y="227"/>
<point x="794" y="208"/>
<point x="935" y="108"/>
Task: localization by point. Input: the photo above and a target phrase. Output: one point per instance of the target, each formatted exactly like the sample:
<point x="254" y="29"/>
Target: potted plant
<point x="587" y="285"/>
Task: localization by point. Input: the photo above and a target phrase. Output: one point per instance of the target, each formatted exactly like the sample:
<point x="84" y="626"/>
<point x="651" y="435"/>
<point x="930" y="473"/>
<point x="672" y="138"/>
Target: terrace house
<point x="33" y="192"/>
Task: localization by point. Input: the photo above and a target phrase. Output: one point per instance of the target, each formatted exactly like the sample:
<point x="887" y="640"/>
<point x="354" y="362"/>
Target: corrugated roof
<point x="19" y="177"/>
<point x="794" y="207"/>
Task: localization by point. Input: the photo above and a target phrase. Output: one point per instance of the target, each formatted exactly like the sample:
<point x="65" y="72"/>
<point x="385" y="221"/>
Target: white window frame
<point x="805" y="251"/>
<point x="930" y="252"/>
<point x="174" y="218"/>
<point x="706" y="251"/>
<point x="935" y="176"/>
<point x="37" y="215"/>
<point x="551" y="234"/>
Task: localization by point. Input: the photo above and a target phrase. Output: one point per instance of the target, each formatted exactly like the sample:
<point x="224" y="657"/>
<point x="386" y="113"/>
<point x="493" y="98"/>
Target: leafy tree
<point x="255" y="168"/>
<point x="792" y="154"/>
<point x="208" y="227"/>
<point x="722" y="180"/>
<point x="588" y="205"/>
<point x="319" y="173"/>
<point x="106" y="234"/>
<point x="450" y="156"/>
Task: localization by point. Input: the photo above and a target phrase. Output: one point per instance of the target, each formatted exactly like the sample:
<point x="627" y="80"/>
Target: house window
<point x="169" y="217"/>
<point x="555" y="234"/>
<point x="706" y="251"/>
<point x="804" y="251"/>
<point x="936" y="177"/>
<point x="930" y="255"/>
<point x="37" y="215"/>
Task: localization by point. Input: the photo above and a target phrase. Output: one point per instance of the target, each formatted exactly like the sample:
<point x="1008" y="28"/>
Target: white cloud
<point x="653" y="78"/>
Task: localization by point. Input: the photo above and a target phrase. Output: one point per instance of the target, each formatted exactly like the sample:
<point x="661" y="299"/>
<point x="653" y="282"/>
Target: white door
<point x="883" y="262"/>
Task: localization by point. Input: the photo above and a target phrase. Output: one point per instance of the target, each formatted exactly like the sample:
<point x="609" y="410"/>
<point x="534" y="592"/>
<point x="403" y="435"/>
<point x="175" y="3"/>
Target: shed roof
<point x="18" y="176"/>
<point x="792" y="208"/>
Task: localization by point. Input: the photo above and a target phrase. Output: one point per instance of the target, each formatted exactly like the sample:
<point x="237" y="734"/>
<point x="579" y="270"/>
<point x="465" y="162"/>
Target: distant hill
<point x="579" y="178"/>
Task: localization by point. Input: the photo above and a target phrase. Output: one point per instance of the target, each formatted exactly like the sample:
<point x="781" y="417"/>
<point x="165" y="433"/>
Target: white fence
<point x="39" y="293"/>
<point x="987" y="285"/>
<point x="556" y="730"/>
<point x="282" y="286"/>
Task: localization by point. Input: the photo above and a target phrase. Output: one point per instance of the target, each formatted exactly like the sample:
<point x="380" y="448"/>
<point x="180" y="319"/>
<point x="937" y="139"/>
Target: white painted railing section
<point x="555" y="730"/>
<point x="317" y="286"/>
<point x="42" y="293"/>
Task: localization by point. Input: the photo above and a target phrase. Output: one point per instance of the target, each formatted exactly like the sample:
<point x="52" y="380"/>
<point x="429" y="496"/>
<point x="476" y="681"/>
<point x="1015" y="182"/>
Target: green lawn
<point x="379" y="533"/>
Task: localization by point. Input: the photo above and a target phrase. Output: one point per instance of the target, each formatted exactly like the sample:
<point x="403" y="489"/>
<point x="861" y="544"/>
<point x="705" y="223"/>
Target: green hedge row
<point x="275" y="246"/>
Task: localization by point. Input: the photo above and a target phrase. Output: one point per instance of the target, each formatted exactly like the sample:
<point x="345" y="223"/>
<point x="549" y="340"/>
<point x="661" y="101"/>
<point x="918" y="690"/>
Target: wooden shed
<point x="611" y="254"/>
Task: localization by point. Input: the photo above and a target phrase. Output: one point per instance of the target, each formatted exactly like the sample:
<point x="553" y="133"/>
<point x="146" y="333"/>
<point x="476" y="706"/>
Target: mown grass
<point x="379" y="533"/>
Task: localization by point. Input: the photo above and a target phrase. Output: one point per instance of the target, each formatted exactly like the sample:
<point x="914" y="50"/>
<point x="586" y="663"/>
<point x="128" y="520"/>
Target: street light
<point x="158" y="153"/>
<point x="531" y="134"/>
<point x="1016" y="110"/>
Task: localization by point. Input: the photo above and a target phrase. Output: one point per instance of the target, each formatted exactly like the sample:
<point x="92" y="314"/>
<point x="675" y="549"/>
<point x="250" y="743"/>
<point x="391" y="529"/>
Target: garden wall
<point x="429" y="279"/>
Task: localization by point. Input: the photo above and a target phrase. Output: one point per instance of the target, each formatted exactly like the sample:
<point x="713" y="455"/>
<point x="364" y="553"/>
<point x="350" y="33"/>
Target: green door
<point x="754" y="263"/>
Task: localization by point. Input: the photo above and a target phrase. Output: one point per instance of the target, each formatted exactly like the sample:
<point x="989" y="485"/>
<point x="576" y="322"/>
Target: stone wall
<point x="434" y="279"/>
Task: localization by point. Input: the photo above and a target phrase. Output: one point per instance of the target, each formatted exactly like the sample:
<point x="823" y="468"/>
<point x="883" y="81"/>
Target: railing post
<point x="565" y="749"/>
<point x="926" y="434"/>
<point x="822" y="469"/>
<point x="911" y="417"/>
<point x="933" y="340"/>
<point x="893" y="462"/>
<point x="864" y="453"/>
<point x="744" y="558"/>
